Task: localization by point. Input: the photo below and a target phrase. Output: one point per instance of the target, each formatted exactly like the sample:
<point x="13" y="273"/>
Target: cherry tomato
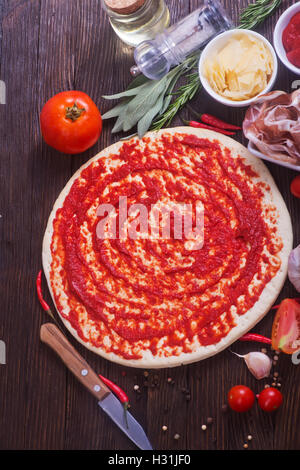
<point x="270" y="399"/>
<point x="71" y="122"/>
<point x="286" y="327"/>
<point x="240" y="398"/>
<point x="295" y="186"/>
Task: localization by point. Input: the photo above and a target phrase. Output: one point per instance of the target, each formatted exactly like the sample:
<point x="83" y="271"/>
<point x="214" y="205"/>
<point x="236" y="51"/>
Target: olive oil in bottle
<point x="135" y="21"/>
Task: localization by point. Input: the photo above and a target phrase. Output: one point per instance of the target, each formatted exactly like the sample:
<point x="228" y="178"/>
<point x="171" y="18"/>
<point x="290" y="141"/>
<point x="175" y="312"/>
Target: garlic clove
<point x="259" y="364"/>
<point x="294" y="268"/>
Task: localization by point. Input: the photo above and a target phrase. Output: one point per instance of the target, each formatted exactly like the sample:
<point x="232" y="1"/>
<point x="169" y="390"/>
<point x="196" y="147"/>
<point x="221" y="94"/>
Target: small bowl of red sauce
<point x="287" y="38"/>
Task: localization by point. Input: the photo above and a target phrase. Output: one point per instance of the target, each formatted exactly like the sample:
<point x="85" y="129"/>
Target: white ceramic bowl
<point x="281" y="24"/>
<point x="213" y="48"/>
<point x="257" y="153"/>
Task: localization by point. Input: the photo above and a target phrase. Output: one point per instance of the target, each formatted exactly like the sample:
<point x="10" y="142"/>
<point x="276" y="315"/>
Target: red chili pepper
<point x="42" y="300"/>
<point x="200" y="125"/>
<point x="278" y="305"/>
<point x="256" y="337"/>
<point x="119" y="393"/>
<point x="216" y="122"/>
<point x="40" y="294"/>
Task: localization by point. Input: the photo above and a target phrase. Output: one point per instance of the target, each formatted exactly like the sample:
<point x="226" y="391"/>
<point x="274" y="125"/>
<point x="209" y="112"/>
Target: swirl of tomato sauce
<point x="127" y="296"/>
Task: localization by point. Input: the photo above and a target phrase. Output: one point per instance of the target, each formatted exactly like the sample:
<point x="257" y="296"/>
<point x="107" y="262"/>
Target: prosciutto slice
<point x="272" y="124"/>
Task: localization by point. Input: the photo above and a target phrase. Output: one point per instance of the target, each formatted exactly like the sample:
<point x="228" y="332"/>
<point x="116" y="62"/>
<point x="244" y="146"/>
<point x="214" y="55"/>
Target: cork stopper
<point x="124" y="7"/>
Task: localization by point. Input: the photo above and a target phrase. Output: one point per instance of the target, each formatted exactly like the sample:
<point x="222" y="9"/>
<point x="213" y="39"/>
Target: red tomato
<point x="290" y="40"/>
<point x="270" y="399"/>
<point x="295" y="186"/>
<point x="296" y="43"/>
<point x="294" y="57"/>
<point x="240" y="398"/>
<point x="288" y="37"/>
<point x="295" y="21"/>
<point x="71" y="122"/>
<point x="286" y="327"/>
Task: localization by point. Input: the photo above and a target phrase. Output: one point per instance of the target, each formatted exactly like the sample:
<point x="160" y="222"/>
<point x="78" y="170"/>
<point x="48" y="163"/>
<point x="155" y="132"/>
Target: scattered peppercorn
<point x="146" y="373"/>
<point x="245" y="446"/>
<point x="249" y="437"/>
<point x="203" y="427"/>
<point x="136" y="387"/>
<point x="176" y="436"/>
<point x="224" y="408"/>
<point x="276" y="374"/>
<point x="164" y="428"/>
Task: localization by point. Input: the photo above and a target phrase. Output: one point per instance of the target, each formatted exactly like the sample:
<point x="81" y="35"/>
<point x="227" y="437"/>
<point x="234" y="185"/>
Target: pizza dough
<point x="155" y="303"/>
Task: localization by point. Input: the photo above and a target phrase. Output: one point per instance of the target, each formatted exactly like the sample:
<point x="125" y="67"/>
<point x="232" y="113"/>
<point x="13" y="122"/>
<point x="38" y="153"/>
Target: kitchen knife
<point x="53" y="337"/>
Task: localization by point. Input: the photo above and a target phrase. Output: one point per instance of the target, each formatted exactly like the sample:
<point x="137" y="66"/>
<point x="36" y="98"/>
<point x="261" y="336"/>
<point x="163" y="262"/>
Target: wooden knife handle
<point x="53" y="337"/>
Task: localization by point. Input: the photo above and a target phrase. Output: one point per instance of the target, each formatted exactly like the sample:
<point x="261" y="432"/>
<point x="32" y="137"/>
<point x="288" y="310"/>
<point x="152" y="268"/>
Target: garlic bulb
<point x="258" y="363"/>
<point x="294" y="268"/>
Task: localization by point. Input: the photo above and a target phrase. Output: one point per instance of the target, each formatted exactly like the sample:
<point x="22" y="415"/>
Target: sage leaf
<point x="141" y="105"/>
<point x="143" y="102"/>
<point x="118" y="124"/>
<point x="116" y="111"/>
<point x="138" y="81"/>
<point x="146" y="121"/>
<point x="128" y="137"/>
<point x="168" y="95"/>
<point x="129" y="92"/>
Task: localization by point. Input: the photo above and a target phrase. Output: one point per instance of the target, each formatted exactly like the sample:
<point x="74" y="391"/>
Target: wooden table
<point x="48" y="46"/>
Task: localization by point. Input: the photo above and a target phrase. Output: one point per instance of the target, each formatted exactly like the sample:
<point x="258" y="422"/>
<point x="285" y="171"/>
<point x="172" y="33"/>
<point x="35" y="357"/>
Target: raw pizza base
<point x="245" y="322"/>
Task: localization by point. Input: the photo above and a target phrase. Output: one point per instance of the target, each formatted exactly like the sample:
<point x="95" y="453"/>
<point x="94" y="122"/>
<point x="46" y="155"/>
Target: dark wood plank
<point x="19" y="122"/>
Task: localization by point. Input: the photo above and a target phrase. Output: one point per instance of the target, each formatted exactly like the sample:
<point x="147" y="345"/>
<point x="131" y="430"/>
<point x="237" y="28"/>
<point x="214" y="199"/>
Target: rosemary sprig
<point x="255" y="13"/>
<point x="153" y="104"/>
<point x="183" y="94"/>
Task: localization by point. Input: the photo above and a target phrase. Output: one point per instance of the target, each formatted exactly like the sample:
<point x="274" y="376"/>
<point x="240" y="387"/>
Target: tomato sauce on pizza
<point x="130" y="296"/>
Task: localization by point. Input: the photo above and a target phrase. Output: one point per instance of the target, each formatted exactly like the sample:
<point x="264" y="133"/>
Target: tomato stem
<point x="74" y="112"/>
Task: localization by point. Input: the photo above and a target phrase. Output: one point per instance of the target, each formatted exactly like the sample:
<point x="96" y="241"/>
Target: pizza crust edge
<point x="248" y="320"/>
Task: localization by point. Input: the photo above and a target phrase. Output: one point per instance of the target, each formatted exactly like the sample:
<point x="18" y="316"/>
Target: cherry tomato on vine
<point x="295" y="186"/>
<point x="240" y="398"/>
<point x="270" y="399"/>
<point x="71" y="122"/>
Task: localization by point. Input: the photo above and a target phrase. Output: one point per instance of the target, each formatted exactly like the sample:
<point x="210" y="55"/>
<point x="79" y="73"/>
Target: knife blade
<point x="51" y="335"/>
<point x="134" y="431"/>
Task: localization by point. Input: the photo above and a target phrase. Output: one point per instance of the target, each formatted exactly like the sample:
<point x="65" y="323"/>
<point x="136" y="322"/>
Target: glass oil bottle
<point x="135" y="21"/>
